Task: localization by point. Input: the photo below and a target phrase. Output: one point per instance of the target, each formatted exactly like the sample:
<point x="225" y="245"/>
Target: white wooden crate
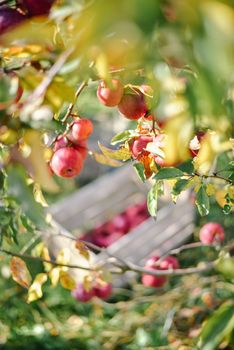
<point x="109" y="195"/>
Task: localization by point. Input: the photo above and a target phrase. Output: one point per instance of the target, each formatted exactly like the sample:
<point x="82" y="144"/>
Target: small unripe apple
<point x="66" y="162"/>
<point x="211" y="232"/>
<point x="110" y="96"/>
<point x="60" y="142"/>
<point x="82" y="148"/>
<point x="103" y="290"/>
<point x="133" y="106"/>
<point x="81" y="130"/>
<point x="9" y="18"/>
<point x="38" y="8"/>
<point x="81" y="294"/>
<point x="139" y="145"/>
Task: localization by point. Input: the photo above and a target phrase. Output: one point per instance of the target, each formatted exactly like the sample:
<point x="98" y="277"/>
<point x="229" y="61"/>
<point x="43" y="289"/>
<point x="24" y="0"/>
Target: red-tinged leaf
<point x="20" y="273"/>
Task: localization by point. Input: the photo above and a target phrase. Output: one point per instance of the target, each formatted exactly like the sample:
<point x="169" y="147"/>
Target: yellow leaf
<point x="102" y="67"/>
<point x="211" y="146"/>
<point x="39" y="198"/>
<point x="20" y="273"/>
<point x="54" y="276"/>
<point x="82" y="249"/>
<point x="178" y="131"/>
<point x="87" y="283"/>
<point x="210" y="189"/>
<point x="45" y="255"/>
<point x="63" y="258"/>
<point x="66" y="280"/>
<point x="35" y="291"/>
<point x="100" y="158"/>
<point x="120" y="154"/>
<point x="37" y="160"/>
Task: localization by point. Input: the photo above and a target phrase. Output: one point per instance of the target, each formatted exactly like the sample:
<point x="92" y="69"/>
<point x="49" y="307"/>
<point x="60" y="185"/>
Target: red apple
<point x="104" y="238"/>
<point x="81" y="130"/>
<point x="154" y="263"/>
<point x="66" y="162"/>
<point x="82" y="148"/>
<point x="110" y="96"/>
<point x="103" y="290"/>
<point x="81" y="294"/>
<point x="211" y="232"/>
<point x="9" y="18"/>
<point x="133" y="106"/>
<point x="60" y="142"/>
<point x="139" y="145"/>
<point x="38" y="7"/>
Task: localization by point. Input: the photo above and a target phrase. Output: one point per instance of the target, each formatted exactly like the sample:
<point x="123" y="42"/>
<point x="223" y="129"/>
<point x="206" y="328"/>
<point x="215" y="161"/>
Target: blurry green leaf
<point x="225" y="266"/>
<point x="121" y="137"/>
<point x="140" y="170"/>
<point x="23" y="195"/>
<point x="187" y="167"/>
<point x="152" y="199"/>
<point x="179" y="186"/>
<point x="202" y="201"/>
<point x="218" y="326"/>
<point x="168" y="173"/>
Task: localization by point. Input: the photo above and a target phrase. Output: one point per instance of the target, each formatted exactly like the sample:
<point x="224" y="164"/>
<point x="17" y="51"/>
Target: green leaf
<point x="179" y="186"/>
<point x="218" y="326"/>
<point x="139" y="167"/>
<point x="187" y="167"/>
<point x="202" y="201"/>
<point x="225" y="266"/>
<point x="152" y="199"/>
<point x="168" y="173"/>
<point x="122" y="137"/>
<point x="2" y="180"/>
<point x="22" y="194"/>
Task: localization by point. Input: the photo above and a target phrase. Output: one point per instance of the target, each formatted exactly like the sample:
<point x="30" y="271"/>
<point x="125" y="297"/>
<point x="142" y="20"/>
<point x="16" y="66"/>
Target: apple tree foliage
<point x="175" y="57"/>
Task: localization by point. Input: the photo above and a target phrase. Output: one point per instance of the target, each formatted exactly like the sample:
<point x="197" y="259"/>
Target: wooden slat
<point x="101" y="199"/>
<point x="151" y="235"/>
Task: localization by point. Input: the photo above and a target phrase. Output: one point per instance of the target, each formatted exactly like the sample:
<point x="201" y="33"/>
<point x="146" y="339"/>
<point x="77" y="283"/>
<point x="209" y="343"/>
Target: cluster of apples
<point x="10" y="17"/>
<point x="109" y="232"/>
<point x="101" y="289"/>
<point x="133" y="103"/>
<point x="157" y="263"/>
<point x="70" y="150"/>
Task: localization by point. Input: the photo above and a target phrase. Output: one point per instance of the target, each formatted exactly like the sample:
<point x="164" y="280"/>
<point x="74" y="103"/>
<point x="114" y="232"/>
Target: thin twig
<point x="129" y="266"/>
<point x="41" y="89"/>
<point x="77" y="94"/>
